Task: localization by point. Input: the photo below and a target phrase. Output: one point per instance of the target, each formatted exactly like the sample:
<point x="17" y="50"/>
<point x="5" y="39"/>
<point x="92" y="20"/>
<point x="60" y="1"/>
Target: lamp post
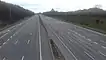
<point x="10" y="13"/>
<point x="66" y="16"/>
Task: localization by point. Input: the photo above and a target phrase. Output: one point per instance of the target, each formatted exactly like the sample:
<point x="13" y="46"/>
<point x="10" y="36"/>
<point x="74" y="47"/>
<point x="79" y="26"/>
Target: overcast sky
<point x="60" y="5"/>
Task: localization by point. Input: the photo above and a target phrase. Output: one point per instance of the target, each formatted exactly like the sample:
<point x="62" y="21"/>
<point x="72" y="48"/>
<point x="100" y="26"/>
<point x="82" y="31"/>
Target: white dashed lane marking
<point x="76" y="33"/>
<point x="8" y="30"/>
<point x="16" y="42"/>
<point x="95" y="42"/>
<point x="4" y="58"/>
<point x="11" y="37"/>
<point x="103" y="47"/>
<point x="102" y="41"/>
<point x="22" y="58"/>
<point x="30" y="33"/>
<point x="102" y="53"/>
<point x="83" y="36"/>
<point x="3" y="35"/>
<point x="89" y="39"/>
<point x="4" y="43"/>
<point x="13" y="34"/>
<point x="79" y="34"/>
<point x="65" y="45"/>
<point x="8" y="39"/>
<point x="28" y="41"/>
<point x="89" y="55"/>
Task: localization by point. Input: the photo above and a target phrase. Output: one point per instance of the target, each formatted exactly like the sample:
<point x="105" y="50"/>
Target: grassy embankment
<point x="85" y="21"/>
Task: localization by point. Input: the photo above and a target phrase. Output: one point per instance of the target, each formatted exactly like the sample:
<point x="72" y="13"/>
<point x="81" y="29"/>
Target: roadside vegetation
<point x="11" y="13"/>
<point x="93" y="18"/>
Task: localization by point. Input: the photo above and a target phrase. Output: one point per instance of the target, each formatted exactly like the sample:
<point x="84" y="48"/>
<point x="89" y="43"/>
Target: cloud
<point x="60" y="5"/>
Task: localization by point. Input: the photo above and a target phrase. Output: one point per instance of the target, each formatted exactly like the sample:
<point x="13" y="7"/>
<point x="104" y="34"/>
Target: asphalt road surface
<point x="29" y="40"/>
<point x="26" y="41"/>
<point x="74" y="42"/>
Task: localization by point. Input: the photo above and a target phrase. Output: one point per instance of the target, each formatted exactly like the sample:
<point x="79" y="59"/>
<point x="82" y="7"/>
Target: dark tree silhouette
<point x="97" y="21"/>
<point x="10" y="13"/>
<point x="101" y="22"/>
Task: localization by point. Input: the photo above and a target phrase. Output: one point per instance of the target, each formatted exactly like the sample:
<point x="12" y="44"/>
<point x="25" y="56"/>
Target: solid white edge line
<point x="90" y="30"/>
<point x="89" y="55"/>
<point x="66" y="46"/>
<point x="40" y="41"/>
<point x="3" y="35"/>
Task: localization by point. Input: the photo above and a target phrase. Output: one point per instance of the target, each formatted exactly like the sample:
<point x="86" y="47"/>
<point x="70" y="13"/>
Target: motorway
<point x="29" y="40"/>
<point x="26" y="41"/>
<point x="74" y="42"/>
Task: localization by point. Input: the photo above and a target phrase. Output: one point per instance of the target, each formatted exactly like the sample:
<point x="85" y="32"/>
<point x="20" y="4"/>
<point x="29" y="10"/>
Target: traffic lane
<point x="64" y="27"/>
<point x="99" y="41"/>
<point x="34" y="43"/>
<point x="63" y="48"/>
<point x="84" y="32"/>
<point x="14" y="31"/>
<point x="76" y="49"/>
<point x="93" y="44"/>
<point x="45" y="45"/>
<point x="34" y="48"/>
<point x="90" y="34"/>
<point x="23" y="46"/>
<point x="96" y="47"/>
<point x="11" y="28"/>
<point x="9" y="35"/>
<point x="85" y="47"/>
<point x="75" y="26"/>
<point x="15" y="48"/>
<point x="78" y="54"/>
<point x="14" y="27"/>
<point x="61" y="29"/>
<point x="93" y="52"/>
<point x="1" y="34"/>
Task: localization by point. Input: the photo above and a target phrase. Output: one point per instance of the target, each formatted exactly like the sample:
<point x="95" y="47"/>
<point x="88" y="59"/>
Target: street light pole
<point x="66" y="16"/>
<point x="10" y="13"/>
